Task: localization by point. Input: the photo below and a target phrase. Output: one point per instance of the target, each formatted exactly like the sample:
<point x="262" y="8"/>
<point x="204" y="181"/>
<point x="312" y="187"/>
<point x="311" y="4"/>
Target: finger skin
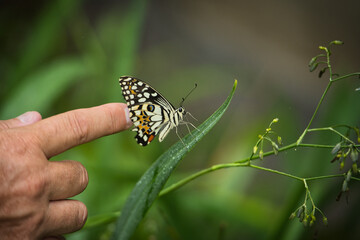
<point x="66" y="179"/>
<point x="29" y="182"/>
<point x="64" y="216"/>
<point x="61" y="132"/>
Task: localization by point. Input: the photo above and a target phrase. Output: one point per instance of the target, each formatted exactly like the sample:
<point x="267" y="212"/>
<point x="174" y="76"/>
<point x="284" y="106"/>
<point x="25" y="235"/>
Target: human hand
<point x="33" y="190"/>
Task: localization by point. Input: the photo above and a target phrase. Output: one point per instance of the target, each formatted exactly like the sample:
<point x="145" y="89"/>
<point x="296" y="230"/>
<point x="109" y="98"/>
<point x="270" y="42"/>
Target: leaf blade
<point x="151" y="183"/>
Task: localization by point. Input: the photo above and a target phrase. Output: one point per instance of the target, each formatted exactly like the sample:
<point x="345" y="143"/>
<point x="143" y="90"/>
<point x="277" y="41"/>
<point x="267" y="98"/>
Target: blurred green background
<point x="62" y="55"/>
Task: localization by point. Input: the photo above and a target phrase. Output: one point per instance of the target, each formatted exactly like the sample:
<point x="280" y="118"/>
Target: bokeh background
<point x="62" y="55"/>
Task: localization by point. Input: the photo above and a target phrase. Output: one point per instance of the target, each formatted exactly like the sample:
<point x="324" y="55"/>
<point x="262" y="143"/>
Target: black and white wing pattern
<point x="150" y="112"/>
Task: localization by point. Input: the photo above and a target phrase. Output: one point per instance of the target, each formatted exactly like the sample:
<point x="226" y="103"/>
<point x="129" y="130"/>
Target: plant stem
<point x="332" y="130"/>
<point x="200" y="173"/>
<point x="276" y="172"/>
<point x="298" y="142"/>
<point x="245" y="163"/>
<point x="346" y="76"/>
<point x="321" y="99"/>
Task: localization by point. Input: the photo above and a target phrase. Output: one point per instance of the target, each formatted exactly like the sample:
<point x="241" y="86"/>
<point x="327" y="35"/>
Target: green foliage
<point x="346" y="147"/>
<point x="151" y="183"/>
<point x="68" y="61"/>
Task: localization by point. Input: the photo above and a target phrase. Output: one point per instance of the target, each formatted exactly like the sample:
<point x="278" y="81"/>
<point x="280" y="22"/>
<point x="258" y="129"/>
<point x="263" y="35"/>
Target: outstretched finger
<point x="61" y="132"/>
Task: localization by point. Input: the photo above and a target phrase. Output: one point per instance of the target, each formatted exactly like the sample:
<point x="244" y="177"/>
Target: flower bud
<point x="348" y="176"/>
<point x="355" y="168"/>
<point x="354" y="154"/>
<point x="325" y="220"/>
<point x="337" y="42"/>
<point x="255" y="148"/>
<point x="342" y="165"/>
<point x="261" y="154"/>
<point x="336" y="148"/>
<point x="344" y="186"/>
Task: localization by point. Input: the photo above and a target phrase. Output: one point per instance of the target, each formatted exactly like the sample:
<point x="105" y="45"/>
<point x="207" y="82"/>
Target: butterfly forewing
<point x="150" y="112"/>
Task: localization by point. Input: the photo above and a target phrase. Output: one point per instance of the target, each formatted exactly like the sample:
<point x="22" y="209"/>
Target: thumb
<point x="22" y="120"/>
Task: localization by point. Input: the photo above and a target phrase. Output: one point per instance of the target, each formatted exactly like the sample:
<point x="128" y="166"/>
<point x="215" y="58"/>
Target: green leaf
<point x="38" y="91"/>
<point x="46" y="32"/>
<point x="151" y="183"/>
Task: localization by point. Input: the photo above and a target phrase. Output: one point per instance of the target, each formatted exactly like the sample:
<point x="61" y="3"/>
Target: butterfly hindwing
<point x="149" y="110"/>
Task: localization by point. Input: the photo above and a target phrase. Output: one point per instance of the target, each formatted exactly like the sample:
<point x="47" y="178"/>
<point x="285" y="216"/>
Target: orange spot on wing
<point x="151" y="138"/>
<point x="143" y="126"/>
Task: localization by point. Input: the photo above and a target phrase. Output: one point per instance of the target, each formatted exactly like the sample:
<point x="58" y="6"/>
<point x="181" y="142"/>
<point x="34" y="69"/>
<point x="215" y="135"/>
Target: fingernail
<point x="129" y="123"/>
<point x="29" y="117"/>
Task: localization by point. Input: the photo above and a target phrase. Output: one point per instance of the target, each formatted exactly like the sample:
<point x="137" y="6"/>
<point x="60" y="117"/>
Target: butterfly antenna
<point x="183" y="99"/>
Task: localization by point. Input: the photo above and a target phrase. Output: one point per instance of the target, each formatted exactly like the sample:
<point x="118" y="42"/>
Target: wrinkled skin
<point x="34" y="190"/>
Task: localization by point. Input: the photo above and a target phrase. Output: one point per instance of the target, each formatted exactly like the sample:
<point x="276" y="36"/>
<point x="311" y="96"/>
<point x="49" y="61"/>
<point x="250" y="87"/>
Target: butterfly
<point x="151" y="113"/>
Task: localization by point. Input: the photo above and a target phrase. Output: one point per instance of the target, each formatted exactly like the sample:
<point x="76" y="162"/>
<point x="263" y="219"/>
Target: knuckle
<point x="34" y="187"/>
<point x="79" y="126"/>
<point x="14" y="143"/>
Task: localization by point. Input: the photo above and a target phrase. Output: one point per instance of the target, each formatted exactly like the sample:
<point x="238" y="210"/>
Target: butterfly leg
<point x="176" y="130"/>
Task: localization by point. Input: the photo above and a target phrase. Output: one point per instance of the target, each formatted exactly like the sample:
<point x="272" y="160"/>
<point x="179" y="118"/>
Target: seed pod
<point x="275" y="147"/>
<point x="336" y="42"/>
<point x="354" y="154"/>
<point x="255" y="149"/>
<point x="342" y="164"/>
<point x="300" y="211"/>
<point x="336" y="148"/>
<point x="355" y="168"/>
<point x="344" y="186"/>
<point x="348" y="176"/>
<point x="261" y="154"/>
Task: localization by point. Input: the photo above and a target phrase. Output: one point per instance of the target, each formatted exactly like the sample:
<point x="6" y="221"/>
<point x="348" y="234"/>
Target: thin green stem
<point x="276" y="172"/>
<point x="290" y="146"/>
<point x="332" y="130"/>
<point x="200" y="173"/>
<point x="314" y="114"/>
<point x="325" y="177"/>
<point x="346" y="76"/>
<point x="308" y="194"/>
<point x="246" y="163"/>
<point x="321" y="99"/>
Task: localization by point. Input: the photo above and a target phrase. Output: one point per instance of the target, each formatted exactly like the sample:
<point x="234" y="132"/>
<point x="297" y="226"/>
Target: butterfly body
<point x="150" y="112"/>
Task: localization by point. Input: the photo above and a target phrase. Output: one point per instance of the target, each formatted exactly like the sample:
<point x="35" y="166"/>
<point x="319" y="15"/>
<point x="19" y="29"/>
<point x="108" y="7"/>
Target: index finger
<point x="61" y="132"/>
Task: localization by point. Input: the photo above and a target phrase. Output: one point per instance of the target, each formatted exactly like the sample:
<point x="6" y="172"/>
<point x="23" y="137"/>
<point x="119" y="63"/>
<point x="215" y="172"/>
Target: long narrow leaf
<point x="39" y="89"/>
<point x="148" y="187"/>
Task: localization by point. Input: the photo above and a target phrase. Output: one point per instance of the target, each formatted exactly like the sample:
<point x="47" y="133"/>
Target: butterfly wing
<point x="149" y="110"/>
